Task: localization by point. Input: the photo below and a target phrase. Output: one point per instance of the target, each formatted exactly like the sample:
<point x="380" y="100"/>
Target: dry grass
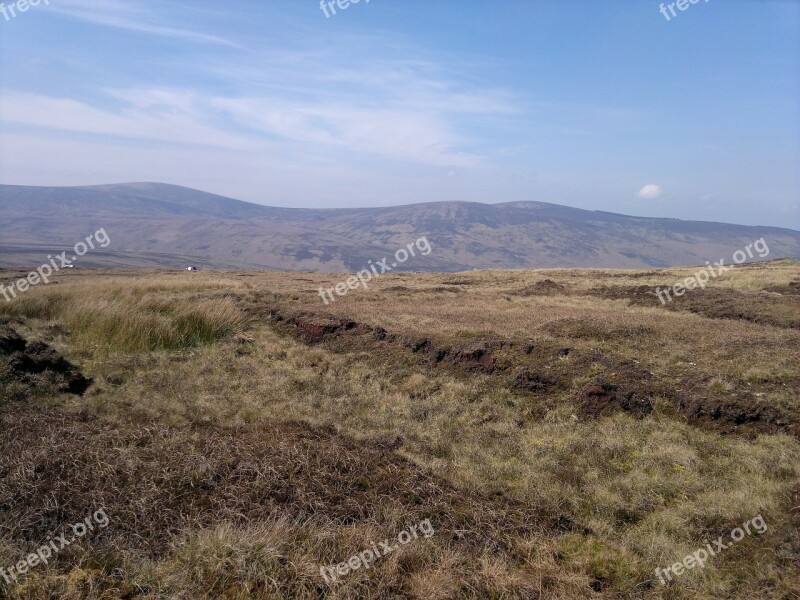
<point x="106" y="317"/>
<point x="191" y="435"/>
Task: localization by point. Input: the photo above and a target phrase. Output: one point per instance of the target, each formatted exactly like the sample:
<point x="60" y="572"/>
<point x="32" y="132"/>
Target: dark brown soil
<point x="546" y="287"/>
<point x="532" y="382"/>
<point x="792" y="289"/>
<point x="32" y="363"/>
<point x="602" y="398"/>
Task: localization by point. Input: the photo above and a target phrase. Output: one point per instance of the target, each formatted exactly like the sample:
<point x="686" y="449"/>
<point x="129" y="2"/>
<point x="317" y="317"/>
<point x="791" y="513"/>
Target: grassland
<point x="564" y="432"/>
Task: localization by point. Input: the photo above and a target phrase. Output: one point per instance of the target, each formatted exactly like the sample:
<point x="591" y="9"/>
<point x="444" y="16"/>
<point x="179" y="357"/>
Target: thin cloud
<point x="169" y="121"/>
<point x="111" y="13"/>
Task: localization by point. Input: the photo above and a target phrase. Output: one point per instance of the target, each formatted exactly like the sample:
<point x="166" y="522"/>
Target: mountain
<point x="159" y="225"/>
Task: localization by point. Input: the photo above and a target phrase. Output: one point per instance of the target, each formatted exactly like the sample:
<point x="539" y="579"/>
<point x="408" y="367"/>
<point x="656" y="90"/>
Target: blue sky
<point x="596" y="104"/>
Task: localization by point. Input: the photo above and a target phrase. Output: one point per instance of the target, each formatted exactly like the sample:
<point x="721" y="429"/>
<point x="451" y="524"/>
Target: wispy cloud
<point x="130" y="17"/>
<point x="173" y="119"/>
<point x="405" y="109"/>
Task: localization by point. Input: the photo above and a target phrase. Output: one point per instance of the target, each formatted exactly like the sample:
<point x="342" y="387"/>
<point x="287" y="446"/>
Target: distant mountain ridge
<point x="153" y="224"/>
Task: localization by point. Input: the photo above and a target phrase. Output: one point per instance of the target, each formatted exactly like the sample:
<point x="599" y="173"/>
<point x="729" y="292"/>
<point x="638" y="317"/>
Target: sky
<point x="598" y="104"/>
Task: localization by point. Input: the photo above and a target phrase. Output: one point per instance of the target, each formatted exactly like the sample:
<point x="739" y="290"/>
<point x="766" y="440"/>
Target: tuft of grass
<point x="119" y="326"/>
<point x="106" y="319"/>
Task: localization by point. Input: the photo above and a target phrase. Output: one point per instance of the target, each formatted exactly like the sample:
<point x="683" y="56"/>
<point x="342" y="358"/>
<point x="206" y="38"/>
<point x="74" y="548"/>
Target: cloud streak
<point x="130" y="17"/>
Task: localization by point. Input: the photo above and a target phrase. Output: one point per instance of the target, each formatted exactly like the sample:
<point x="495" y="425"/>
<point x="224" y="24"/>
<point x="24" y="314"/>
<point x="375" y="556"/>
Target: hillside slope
<point x="152" y="223"/>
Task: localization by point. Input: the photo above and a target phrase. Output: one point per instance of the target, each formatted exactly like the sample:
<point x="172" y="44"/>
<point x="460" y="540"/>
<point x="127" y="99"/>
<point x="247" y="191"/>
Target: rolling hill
<point x="160" y="225"/>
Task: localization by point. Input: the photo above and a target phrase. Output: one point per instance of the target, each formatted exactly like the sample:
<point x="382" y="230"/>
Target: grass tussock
<point x="109" y="318"/>
<point x="151" y="325"/>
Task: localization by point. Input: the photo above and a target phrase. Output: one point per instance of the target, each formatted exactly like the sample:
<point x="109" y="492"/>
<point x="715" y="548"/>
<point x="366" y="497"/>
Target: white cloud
<point x="292" y="102"/>
<point x="650" y="192"/>
<point x="154" y="117"/>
